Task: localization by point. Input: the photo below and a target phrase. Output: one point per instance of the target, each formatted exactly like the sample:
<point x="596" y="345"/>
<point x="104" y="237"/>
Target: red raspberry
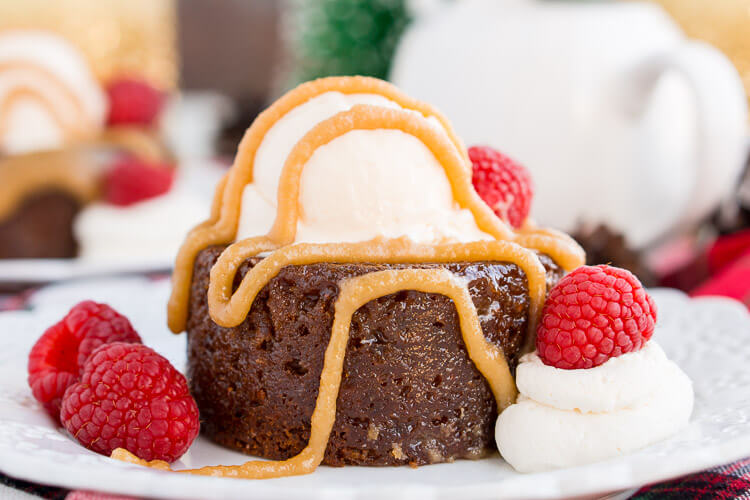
<point x="133" y="102"/>
<point x="594" y="314"/>
<point x="502" y="183"/>
<point x="131" y="180"/>
<point x="131" y="397"/>
<point x="57" y="357"/>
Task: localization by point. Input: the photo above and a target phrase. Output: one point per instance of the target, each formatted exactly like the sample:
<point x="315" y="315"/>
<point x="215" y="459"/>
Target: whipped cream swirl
<point x="565" y="418"/>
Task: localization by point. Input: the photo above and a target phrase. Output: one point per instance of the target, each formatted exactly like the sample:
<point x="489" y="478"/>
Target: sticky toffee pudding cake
<point x="410" y="393"/>
<point x="351" y="300"/>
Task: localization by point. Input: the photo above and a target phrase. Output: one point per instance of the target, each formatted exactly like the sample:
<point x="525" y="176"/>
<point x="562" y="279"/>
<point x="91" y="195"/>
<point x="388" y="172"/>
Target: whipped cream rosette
<point x="565" y="418"/>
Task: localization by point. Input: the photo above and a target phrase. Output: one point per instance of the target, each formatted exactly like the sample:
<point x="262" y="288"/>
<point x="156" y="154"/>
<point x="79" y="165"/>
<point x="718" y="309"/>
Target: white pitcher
<point x="619" y="118"/>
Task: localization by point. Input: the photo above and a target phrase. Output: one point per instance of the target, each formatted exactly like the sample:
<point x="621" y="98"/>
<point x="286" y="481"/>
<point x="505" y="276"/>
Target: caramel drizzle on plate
<point x="229" y="308"/>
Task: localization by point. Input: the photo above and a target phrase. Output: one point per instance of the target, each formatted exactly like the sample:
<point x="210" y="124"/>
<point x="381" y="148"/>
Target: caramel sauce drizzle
<point x="229" y="308"/>
<point x="12" y="97"/>
<point x="353" y="294"/>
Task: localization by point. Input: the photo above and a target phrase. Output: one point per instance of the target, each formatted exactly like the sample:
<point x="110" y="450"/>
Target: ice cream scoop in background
<point x="51" y="93"/>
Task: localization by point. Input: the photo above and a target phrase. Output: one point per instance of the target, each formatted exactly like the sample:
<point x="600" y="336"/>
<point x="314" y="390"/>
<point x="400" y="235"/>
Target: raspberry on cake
<point x="56" y="359"/>
<point x="351" y="299"/>
<point x="503" y="184"/>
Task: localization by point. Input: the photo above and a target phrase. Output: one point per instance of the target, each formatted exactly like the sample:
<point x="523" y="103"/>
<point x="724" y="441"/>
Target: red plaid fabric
<point x="728" y="482"/>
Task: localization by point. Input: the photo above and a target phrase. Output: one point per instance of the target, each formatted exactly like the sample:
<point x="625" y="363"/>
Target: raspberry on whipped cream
<point x="622" y="396"/>
<point x="593" y="314"/>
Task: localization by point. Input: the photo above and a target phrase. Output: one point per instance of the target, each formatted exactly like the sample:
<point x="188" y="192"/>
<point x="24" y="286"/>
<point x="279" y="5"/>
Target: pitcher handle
<point x="722" y="116"/>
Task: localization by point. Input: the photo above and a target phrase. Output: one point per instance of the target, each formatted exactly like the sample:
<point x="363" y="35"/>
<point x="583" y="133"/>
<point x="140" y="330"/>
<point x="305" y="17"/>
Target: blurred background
<point x="117" y="117"/>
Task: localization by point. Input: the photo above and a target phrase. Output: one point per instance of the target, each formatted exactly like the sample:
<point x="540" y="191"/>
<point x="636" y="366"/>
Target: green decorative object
<point x="345" y="37"/>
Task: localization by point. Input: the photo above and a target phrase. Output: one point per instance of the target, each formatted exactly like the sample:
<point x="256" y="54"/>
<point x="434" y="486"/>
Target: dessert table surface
<point x="727" y="482"/>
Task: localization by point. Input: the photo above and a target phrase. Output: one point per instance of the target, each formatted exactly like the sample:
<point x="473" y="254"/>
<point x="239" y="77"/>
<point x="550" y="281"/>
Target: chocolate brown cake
<point x="41" y="227"/>
<point x="409" y="394"/>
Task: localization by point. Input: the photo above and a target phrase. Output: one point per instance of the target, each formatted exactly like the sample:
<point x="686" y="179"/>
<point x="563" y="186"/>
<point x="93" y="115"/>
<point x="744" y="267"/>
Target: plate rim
<point x="44" y="271"/>
<point x="68" y="476"/>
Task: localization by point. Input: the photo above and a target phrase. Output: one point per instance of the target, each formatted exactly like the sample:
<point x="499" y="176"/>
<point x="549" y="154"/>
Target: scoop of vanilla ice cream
<point x="379" y="183"/>
<point x="565" y="418"/>
<point x="364" y="184"/>
<point x="42" y="71"/>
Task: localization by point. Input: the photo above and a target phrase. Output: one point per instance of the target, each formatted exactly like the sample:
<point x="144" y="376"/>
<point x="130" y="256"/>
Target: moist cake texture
<point x="409" y="392"/>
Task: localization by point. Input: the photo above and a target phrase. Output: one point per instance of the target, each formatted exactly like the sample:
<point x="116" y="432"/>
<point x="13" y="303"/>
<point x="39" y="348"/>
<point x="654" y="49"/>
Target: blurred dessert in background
<point x="50" y="101"/>
<point x="83" y="155"/>
<point x="60" y="131"/>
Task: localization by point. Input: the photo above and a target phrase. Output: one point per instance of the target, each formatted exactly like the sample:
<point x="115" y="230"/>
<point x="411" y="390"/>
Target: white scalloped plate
<point x="709" y="338"/>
